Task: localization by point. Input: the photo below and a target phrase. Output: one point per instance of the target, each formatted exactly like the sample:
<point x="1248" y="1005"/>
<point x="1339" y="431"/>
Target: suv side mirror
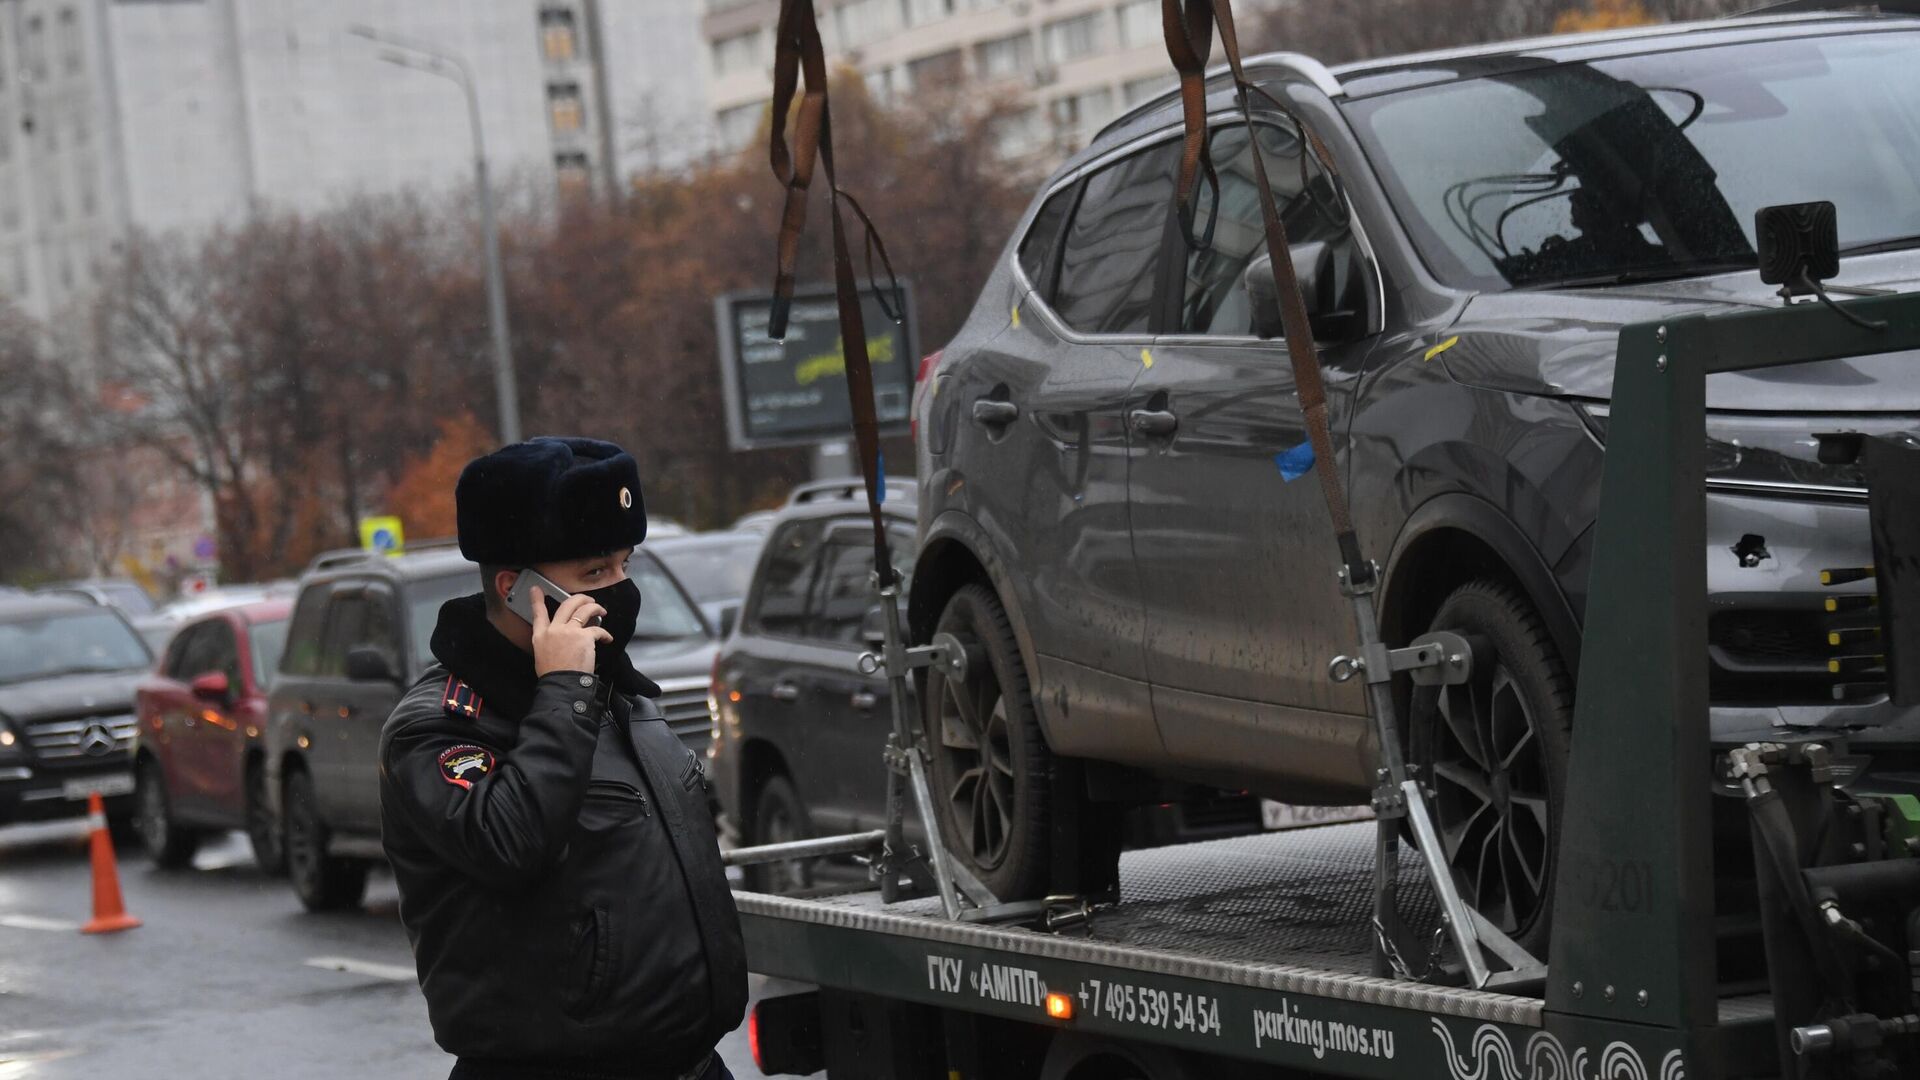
<point x="368" y="664"/>
<point x="729" y="618"/>
<point x="1320" y="268"/>
<point x="211" y="686"/>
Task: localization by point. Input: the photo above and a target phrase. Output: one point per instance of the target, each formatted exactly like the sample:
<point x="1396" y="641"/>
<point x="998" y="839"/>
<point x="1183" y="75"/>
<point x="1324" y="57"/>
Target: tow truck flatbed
<point x="1255" y="947"/>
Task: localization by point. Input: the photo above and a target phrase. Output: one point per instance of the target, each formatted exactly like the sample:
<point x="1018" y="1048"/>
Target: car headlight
<point x="1790" y="450"/>
<point x="10" y="739"/>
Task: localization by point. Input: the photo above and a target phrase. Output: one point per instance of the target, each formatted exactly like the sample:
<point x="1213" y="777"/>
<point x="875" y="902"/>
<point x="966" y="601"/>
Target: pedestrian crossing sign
<point x="382" y="534"/>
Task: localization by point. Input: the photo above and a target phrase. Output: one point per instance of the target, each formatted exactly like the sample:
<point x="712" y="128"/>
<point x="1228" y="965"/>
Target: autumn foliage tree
<point x="422" y="495"/>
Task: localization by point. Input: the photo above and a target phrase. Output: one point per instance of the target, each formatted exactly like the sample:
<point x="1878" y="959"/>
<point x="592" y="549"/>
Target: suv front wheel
<point x="323" y="882"/>
<point x="1493" y="751"/>
<point x="991" y="768"/>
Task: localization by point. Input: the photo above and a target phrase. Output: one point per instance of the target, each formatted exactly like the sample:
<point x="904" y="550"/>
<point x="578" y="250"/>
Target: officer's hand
<point x="565" y="642"/>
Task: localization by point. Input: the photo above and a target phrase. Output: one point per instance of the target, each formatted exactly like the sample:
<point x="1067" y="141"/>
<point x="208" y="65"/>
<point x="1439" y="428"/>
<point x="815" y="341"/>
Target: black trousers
<point x="470" y="1069"/>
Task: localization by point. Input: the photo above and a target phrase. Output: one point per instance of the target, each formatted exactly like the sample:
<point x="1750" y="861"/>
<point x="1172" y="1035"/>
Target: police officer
<point x="559" y="876"/>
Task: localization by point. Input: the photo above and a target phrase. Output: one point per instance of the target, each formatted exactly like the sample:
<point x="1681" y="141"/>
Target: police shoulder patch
<point x="459" y="699"/>
<point x="463" y="764"/>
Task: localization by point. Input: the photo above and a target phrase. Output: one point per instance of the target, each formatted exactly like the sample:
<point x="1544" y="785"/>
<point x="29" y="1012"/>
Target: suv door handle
<point x="865" y="699"/>
<point x="993" y="412"/>
<point x="1153" y="422"/>
<point x="784" y="691"/>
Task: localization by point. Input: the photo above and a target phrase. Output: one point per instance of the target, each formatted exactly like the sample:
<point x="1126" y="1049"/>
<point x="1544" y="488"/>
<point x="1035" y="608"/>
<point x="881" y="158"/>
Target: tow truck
<point x="1258" y="956"/>
<point x="1752" y="912"/>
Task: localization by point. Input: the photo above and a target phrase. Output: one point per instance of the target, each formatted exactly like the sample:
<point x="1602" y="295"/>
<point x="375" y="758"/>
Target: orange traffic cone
<point x="109" y="913"/>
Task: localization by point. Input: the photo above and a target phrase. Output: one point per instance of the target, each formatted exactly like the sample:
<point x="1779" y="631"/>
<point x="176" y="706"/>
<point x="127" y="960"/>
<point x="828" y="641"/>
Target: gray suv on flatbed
<point x="1110" y="448"/>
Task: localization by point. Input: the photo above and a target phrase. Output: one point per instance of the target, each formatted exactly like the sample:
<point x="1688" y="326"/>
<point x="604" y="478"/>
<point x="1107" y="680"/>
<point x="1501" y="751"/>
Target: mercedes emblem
<point x="96" y="741"/>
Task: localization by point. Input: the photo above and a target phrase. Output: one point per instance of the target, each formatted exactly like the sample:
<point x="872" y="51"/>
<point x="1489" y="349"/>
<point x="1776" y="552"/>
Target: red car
<point x="198" y="756"/>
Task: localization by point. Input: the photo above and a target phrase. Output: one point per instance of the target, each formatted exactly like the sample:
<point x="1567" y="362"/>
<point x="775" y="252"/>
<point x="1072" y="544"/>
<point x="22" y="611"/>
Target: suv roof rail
<point x="1787" y="7"/>
<point x="846" y="487"/>
<point x="1313" y="71"/>
<point x="328" y="560"/>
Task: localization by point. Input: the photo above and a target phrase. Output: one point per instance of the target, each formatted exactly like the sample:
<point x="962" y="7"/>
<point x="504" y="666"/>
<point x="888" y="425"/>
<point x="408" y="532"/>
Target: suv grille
<point x="686" y="712"/>
<point x="73" y="738"/>
<point x="1770" y="656"/>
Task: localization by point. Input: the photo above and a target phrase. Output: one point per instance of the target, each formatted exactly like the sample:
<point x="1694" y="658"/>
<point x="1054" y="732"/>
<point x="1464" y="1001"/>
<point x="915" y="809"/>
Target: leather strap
<point x="1189" y="26"/>
<point x="799" y="64"/>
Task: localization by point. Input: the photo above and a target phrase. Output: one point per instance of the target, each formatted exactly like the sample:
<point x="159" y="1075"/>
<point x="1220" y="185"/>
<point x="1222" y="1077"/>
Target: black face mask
<point x="622" y="601"/>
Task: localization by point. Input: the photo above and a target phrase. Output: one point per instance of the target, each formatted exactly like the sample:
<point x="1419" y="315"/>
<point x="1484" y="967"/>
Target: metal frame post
<point x="1633" y="939"/>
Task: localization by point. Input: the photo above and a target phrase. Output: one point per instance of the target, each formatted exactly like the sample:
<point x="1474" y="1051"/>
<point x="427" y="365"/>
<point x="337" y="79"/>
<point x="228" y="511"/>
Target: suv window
<point x="845" y="592"/>
<point x="424" y="599"/>
<point x="181" y="659"/>
<point x="302" y="656"/>
<point x="1215" y="299"/>
<point x="780" y="606"/>
<point x="382" y="630"/>
<point x="347" y="618"/>
<point x="216" y="650"/>
<point x="1107" y="266"/>
<point x="1042" y="241"/>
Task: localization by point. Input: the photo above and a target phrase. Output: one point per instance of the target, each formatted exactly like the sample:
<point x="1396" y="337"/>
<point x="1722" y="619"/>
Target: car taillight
<point x="927" y="364"/>
<point x="753" y="1039"/>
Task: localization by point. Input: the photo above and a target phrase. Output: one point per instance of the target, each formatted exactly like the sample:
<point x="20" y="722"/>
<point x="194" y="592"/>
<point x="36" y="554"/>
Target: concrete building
<point x="181" y="114"/>
<point x="1078" y="62"/>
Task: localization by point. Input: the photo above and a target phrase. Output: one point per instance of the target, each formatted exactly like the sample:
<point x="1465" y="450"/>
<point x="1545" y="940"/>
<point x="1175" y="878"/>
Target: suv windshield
<point x="665" y="614"/>
<point x="68" y="644"/>
<point x="269" y="640"/>
<point x="713" y="569"/>
<point x="423" y="607"/>
<point x="1650" y="166"/>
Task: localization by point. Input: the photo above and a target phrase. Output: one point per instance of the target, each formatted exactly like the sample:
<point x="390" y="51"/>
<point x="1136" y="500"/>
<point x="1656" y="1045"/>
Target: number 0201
<point x="1618" y="885"/>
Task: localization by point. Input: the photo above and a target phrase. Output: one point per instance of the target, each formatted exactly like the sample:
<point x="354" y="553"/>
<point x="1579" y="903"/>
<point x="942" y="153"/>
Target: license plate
<point x="109" y="785"/>
<point x="1279" y="815"/>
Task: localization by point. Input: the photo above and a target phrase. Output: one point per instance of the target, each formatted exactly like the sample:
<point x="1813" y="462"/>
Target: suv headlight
<point x="12" y="742"/>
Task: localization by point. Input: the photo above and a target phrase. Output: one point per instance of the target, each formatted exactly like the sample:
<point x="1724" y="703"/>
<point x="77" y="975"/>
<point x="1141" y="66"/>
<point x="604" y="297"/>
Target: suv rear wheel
<point x="1493" y="750"/>
<point x="169" y="844"/>
<point x="323" y="882"/>
<point x="991" y="768"/>
<point x="779" y="817"/>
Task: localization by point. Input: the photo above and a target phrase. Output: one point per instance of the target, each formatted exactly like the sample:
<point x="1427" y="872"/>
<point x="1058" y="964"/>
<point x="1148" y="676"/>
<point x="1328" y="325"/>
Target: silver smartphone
<point x="520" y="595"/>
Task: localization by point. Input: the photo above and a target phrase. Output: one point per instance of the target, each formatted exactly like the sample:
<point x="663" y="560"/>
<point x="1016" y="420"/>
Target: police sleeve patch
<point x="462" y="765"/>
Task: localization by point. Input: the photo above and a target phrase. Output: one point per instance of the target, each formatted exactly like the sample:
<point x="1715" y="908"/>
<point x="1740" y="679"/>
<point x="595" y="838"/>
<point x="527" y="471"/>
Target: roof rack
<point x="848" y="487"/>
<point x="328" y="560"/>
<point x="1299" y="64"/>
<point x="1784" y="7"/>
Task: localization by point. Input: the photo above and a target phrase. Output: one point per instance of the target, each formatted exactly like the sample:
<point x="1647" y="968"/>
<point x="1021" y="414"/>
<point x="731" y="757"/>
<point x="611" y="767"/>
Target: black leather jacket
<point x="559" y="875"/>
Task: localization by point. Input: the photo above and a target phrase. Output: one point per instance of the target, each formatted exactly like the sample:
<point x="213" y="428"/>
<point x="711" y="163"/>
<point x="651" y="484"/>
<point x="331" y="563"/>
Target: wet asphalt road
<point x="228" y="977"/>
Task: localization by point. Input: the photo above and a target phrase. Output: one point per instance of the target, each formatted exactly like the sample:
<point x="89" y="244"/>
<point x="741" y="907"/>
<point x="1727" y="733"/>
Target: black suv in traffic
<point x="67" y="674"/>
<point x="1111" y="448"/>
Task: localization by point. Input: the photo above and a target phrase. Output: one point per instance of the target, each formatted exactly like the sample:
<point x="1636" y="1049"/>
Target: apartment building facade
<point x="1075" y="64"/>
<point x="167" y="115"/>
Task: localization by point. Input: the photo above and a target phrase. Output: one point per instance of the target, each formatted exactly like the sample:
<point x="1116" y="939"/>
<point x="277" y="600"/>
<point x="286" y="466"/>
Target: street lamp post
<point x="420" y="56"/>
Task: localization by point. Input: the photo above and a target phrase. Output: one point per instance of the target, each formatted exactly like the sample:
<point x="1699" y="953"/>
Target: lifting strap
<point x="1189" y="26"/>
<point x="798" y="53"/>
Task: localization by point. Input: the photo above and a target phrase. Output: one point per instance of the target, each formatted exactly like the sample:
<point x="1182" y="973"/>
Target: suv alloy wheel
<point x="1493" y="751"/>
<point x="991" y="767"/>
